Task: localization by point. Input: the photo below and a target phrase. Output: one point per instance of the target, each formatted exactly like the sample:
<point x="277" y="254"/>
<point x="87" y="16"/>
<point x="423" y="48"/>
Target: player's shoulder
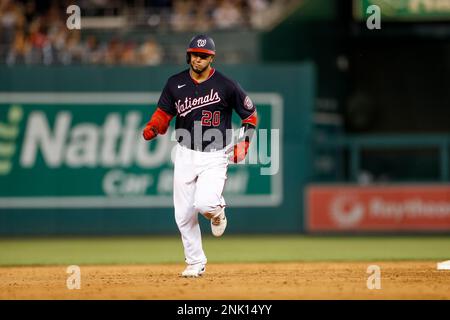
<point x="227" y="80"/>
<point x="220" y="76"/>
<point x="180" y="76"/>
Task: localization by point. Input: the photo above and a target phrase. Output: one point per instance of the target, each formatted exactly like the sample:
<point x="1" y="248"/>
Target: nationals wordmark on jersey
<point x="195" y="103"/>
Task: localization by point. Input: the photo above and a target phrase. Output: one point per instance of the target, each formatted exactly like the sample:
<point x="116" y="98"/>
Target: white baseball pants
<point x="199" y="179"/>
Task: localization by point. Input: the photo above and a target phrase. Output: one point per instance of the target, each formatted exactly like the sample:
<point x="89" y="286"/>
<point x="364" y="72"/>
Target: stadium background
<point x="363" y="116"/>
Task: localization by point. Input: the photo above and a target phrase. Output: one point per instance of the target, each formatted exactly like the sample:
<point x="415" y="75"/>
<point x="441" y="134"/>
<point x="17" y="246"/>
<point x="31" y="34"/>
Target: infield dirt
<point x="290" y="281"/>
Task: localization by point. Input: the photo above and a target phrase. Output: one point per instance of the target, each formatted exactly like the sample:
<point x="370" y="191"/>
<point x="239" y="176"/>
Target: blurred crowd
<point x="35" y="32"/>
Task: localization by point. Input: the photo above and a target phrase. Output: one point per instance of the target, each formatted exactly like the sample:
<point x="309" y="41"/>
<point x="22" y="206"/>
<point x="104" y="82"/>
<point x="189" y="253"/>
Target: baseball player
<point x="202" y="100"/>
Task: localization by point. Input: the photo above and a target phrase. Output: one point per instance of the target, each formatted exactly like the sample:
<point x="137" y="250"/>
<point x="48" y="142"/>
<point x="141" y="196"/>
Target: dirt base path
<point x="291" y="281"/>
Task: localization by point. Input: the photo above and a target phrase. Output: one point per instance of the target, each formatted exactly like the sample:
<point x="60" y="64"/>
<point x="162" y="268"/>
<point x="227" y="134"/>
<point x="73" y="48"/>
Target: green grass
<point x="148" y="250"/>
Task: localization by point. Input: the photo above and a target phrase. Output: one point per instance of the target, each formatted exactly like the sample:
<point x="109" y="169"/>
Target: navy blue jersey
<point x="203" y="110"/>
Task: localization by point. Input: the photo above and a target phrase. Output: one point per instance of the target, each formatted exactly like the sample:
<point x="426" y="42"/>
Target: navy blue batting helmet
<point x="201" y="43"/>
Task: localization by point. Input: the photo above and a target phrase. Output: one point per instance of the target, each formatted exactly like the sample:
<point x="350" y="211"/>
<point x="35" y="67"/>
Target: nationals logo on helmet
<point x="201" y="42"/>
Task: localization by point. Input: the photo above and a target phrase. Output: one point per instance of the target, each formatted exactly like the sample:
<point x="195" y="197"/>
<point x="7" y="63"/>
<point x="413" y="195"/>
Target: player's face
<point x="200" y="61"/>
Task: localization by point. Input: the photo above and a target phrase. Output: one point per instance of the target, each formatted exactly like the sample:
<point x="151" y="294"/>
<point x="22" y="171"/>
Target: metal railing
<point x="356" y="144"/>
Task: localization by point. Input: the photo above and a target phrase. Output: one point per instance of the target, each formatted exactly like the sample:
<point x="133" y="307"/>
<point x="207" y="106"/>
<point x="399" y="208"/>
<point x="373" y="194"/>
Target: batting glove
<point x="240" y="151"/>
<point x="150" y="132"/>
<point x="158" y="124"/>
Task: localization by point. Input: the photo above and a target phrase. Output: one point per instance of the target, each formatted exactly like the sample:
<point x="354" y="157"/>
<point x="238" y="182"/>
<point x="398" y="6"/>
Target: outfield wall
<point x="72" y="160"/>
<point x="377" y="208"/>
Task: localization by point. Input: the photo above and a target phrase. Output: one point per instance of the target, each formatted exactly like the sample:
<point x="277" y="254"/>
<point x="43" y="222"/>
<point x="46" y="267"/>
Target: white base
<point x="445" y="265"/>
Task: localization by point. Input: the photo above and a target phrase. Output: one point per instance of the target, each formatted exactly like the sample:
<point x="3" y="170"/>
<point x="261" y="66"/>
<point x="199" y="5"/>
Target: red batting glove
<point x="149" y="132"/>
<point x="159" y="123"/>
<point x="239" y="151"/>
